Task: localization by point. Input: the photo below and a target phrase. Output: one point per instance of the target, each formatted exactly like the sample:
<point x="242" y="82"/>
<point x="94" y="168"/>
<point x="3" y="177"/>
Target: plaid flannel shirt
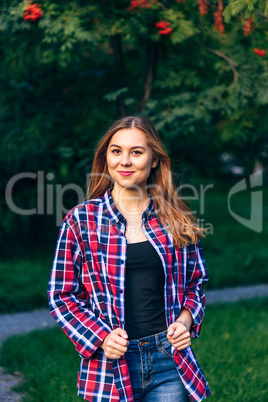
<point x="86" y="294"/>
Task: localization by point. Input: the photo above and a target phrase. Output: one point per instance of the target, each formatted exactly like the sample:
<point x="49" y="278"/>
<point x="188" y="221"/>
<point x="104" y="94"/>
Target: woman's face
<point x="129" y="158"/>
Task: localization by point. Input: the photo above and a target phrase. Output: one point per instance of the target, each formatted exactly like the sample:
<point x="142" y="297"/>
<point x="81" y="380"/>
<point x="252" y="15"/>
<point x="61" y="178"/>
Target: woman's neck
<point x="130" y="201"/>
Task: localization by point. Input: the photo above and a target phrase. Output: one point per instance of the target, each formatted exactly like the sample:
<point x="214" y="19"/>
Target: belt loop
<point x="162" y="336"/>
<point x="157" y="342"/>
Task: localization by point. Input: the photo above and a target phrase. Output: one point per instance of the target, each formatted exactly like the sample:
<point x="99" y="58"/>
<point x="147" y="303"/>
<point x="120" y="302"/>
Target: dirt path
<point x="18" y="323"/>
<point x="7" y="382"/>
<point x="235" y="294"/>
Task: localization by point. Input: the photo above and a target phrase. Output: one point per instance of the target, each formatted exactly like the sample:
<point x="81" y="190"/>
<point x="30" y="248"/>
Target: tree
<point x="198" y="69"/>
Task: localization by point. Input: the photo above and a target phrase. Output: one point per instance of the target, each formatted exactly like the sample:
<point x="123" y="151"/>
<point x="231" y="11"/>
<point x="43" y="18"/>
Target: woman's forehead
<point x="129" y="137"/>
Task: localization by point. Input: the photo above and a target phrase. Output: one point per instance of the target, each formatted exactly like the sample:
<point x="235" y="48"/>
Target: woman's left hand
<point x="178" y="335"/>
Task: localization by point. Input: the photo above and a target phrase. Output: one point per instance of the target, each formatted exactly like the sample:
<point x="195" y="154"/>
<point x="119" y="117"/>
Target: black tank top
<point x="144" y="291"/>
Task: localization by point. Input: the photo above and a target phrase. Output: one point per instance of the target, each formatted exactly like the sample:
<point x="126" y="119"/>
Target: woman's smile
<point x="126" y="173"/>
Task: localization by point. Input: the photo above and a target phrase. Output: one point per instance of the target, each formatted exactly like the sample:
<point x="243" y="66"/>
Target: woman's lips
<point x="126" y="173"/>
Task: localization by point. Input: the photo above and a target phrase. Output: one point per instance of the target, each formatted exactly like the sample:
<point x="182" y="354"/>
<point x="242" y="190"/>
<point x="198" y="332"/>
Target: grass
<point x="232" y="352"/>
<point x="48" y="362"/>
<point x="235" y="255"/>
<point x="24" y="284"/>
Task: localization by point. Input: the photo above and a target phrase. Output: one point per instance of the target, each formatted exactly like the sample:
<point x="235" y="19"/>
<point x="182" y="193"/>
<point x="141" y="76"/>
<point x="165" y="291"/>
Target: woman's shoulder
<point x="85" y="211"/>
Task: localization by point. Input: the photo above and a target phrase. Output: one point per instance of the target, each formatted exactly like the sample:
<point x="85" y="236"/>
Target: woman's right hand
<point x="115" y="344"/>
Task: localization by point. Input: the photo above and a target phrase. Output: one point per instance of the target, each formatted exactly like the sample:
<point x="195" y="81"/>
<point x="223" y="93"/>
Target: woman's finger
<point x="113" y="356"/>
<point x="182" y="345"/>
<point x="111" y="345"/>
<point x="181" y="338"/>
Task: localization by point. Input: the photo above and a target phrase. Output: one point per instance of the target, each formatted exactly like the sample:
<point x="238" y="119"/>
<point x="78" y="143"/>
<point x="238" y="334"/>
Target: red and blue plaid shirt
<point x="86" y="294"/>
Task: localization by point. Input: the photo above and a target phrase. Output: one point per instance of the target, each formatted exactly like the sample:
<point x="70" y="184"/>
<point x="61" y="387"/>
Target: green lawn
<point x="235" y="255"/>
<point x="24" y="284"/>
<point x="232" y="352"/>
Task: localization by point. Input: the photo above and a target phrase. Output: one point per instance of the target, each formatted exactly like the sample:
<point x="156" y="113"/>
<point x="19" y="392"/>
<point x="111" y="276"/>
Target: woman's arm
<point x="189" y="322"/>
<point x="67" y="296"/>
<point x="186" y="318"/>
<point x="194" y="299"/>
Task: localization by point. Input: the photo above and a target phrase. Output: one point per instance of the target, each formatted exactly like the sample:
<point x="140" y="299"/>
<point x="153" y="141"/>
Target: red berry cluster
<point x="164" y="28"/>
<point x="33" y="12"/>
<point x="139" y="4"/>
<point x="259" y="52"/>
<point x="218" y="21"/>
<point x="203" y="7"/>
<point x="248" y="26"/>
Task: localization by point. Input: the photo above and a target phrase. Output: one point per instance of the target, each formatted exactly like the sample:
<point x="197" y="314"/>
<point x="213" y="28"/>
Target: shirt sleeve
<point x="194" y="298"/>
<point x="67" y="296"/>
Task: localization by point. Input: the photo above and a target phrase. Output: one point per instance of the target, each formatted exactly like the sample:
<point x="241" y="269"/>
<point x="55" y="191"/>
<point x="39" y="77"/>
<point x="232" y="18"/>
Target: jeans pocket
<point x="166" y="349"/>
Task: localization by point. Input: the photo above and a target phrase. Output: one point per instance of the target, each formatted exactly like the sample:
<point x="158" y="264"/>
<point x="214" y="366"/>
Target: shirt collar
<point x="116" y="216"/>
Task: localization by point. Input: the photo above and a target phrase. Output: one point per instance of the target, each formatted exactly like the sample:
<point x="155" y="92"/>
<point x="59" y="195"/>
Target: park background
<point x="199" y="71"/>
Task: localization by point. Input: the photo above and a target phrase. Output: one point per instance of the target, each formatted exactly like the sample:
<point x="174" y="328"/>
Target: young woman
<point x="127" y="277"/>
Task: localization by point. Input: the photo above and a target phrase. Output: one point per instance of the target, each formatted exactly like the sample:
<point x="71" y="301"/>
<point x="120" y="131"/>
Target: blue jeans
<point x="153" y="373"/>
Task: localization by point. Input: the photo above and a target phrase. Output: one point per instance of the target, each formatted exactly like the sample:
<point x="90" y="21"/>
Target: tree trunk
<point x="119" y="72"/>
<point x="151" y="62"/>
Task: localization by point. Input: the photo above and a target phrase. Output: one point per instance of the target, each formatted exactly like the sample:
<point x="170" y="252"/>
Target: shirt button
<point x="121" y="290"/>
<point x="122" y="261"/>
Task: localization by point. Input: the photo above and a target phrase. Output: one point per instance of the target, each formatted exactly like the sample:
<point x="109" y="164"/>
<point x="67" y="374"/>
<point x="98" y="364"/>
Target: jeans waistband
<point x="147" y="342"/>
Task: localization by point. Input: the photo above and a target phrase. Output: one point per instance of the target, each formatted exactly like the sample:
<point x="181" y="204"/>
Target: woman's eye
<point x="116" y="151"/>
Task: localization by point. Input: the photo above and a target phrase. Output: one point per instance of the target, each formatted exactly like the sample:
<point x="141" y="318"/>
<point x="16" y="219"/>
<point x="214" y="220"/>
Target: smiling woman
<point x="127" y="277"/>
<point x="129" y="155"/>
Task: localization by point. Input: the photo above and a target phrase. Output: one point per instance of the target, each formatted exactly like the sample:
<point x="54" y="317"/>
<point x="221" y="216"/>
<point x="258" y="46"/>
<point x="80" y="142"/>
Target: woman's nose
<point x="125" y="160"/>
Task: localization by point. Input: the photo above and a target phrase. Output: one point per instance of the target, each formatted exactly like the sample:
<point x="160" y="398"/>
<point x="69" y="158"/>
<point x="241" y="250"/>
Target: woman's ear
<point x="154" y="164"/>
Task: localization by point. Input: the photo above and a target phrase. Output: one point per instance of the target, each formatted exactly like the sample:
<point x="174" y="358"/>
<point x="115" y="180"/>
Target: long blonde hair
<point x="173" y="212"/>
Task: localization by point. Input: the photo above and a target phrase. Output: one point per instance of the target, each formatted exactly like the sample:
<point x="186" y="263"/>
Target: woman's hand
<point x="178" y="335"/>
<point x="115" y="344"/>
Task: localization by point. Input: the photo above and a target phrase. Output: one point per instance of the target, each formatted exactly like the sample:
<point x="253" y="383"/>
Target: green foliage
<point x="66" y="76"/>
<point x="247" y="7"/>
<point x="266" y="9"/>
<point x="183" y="27"/>
<point x="111" y="97"/>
